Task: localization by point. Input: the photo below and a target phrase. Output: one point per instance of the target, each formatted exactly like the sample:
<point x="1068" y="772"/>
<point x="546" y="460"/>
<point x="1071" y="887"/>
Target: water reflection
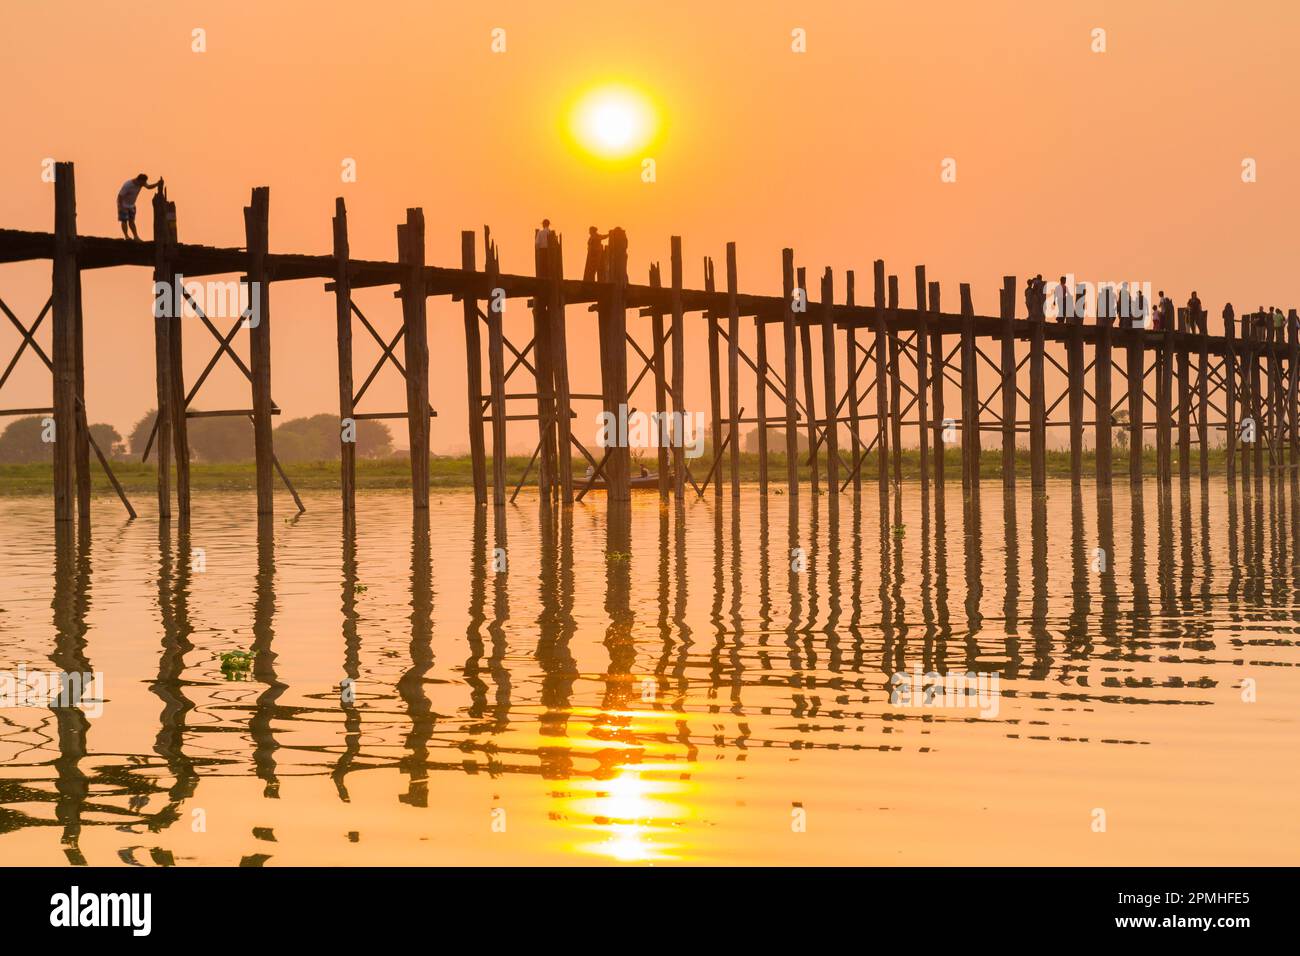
<point x="637" y="681"/>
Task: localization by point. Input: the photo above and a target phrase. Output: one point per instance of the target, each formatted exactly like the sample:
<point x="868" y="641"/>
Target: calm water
<point x="669" y="693"/>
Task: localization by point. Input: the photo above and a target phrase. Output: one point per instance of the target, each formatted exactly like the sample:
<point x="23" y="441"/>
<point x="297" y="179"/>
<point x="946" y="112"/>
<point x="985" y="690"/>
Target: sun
<point x="613" y="121"/>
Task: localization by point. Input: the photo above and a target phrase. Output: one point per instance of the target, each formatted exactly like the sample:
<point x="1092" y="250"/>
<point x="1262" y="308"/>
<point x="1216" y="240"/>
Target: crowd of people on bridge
<point x="1132" y="310"/>
<point x="600" y="257"/>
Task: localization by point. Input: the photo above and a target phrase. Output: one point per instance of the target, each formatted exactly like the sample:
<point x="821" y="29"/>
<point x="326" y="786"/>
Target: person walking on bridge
<point x="595" y="268"/>
<point x="1063" y="300"/>
<point x="126" y="197"/>
<point x="1196" y="315"/>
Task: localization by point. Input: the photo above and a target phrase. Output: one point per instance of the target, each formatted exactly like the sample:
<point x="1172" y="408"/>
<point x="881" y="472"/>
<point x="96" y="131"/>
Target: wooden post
<point x="1101" y="371"/>
<point x="1275" y="407"/>
<point x="1009" y="383"/>
<point x="64" y="343"/>
<point x="410" y="245"/>
<point x="1293" y="390"/>
<point x="1247" y="389"/>
<point x="1184" y="399"/>
<point x="760" y="399"/>
<point x="809" y="400"/>
<point x="166" y="236"/>
<point x="661" y="384"/>
<point x="733" y="369"/>
<point x="679" y="371"/>
<point x="1037" y="407"/>
<point x="547" y="465"/>
<point x="256" y="230"/>
<point x="473" y="370"/>
<point x="496" y="369"/>
<point x="1256" y="401"/>
<point x="922" y="375"/>
<point x="715" y="376"/>
<point x="1074" y="367"/>
<point x="614" y="373"/>
<point x="560" y="370"/>
<point x="81" y="453"/>
<point x="1230" y="399"/>
<point x="895" y="387"/>
<point x="851" y="367"/>
<point x="882" y="372"/>
<point x="791" y="372"/>
<point x="1203" y="395"/>
<point x="343" y="324"/>
<point x="970" y="390"/>
<point x="1164" y="401"/>
<point x="828" y="383"/>
<point x="937" y="356"/>
<point x="1134" y="372"/>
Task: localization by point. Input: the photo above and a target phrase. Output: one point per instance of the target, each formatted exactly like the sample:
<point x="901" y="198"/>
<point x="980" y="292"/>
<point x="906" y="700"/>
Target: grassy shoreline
<point x="455" y="471"/>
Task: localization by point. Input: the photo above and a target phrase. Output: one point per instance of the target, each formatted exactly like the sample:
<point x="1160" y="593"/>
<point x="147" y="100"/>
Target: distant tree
<point x="222" y="439"/>
<point x="775" y="441"/>
<point x="227" y="439"/>
<point x="139" y="435"/>
<point x="316" y="438"/>
<point x="109" y="440"/>
<point x="21" y="443"/>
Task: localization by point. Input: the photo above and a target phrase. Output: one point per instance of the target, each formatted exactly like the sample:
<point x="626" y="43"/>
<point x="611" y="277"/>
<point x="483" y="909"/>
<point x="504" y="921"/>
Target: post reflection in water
<point x="665" y="682"/>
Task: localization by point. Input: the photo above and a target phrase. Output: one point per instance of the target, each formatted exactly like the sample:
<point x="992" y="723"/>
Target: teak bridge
<point x="895" y="364"/>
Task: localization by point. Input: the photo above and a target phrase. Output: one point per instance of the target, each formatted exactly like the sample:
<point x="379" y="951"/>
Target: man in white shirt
<point x="545" y="238"/>
<point x="126" y="197"/>
<point x="1064" y="301"/>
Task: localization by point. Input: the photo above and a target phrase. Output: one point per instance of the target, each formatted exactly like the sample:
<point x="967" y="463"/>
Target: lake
<point x="1116" y="681"/>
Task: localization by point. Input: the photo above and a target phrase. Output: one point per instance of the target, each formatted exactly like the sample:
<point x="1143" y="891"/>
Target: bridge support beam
<point x="65" y="304"/>
<point x="1009" y="383"/>
<point x="937" y="369"/>
<point x="410" y="251"/>
<point x="343" y="323"/>
<point x="256" y="230"/>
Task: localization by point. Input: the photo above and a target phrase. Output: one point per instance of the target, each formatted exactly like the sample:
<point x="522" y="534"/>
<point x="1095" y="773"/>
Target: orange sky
<point x="1122" y="165"/>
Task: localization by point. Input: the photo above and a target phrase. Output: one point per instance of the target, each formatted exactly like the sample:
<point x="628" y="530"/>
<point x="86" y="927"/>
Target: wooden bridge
<point x="887" y="366"/>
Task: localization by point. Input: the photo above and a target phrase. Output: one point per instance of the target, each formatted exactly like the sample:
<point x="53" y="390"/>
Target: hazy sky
<point x="1119" y="165"/>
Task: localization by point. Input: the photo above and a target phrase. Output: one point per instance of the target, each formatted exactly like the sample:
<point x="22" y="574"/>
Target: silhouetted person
<point x="1125" y="309"/>
<point x="545" y="237"/>
<point x="126" y="197"/>
<point x="595" y="256"/>
<point x="1140" y="311"/>
<point x="1063" y="300"/>
<point x="1105" y="305"/>
<point x="1040" y="297"/>
<point x="1228" y="317"/>
<point x="1195" y="316"/>
<point x="1029" y="298"/>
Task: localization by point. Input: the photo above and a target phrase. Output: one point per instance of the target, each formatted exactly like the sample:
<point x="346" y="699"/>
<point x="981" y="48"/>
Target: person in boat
<point x="645" y="473"/>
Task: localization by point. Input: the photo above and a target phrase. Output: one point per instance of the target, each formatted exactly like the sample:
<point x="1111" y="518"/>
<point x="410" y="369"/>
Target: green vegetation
<point x="236" y="664"/>
<point x="393" y="471"/>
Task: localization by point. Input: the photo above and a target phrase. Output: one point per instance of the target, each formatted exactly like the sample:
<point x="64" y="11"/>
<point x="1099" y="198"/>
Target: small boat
<point x="650" y="480"/>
